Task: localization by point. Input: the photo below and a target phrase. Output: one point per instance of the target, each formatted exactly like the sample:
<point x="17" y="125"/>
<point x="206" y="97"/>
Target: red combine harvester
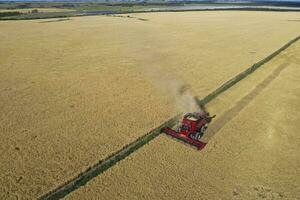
<point x="192" y="128"/>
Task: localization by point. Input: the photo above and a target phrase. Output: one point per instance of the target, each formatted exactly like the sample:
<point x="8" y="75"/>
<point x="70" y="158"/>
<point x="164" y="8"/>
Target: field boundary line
<point x="106" y="163"/>
<point x="100" y="167"/>
<point x="225" y="86"/>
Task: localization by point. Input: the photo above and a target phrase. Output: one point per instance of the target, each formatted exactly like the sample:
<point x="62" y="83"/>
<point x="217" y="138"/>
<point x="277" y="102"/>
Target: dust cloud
<point x="168" y="84"/>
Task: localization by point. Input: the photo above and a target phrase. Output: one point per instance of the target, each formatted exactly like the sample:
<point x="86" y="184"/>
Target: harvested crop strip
<point x="105" y="164"/>
<point x="254" y="156"/>
<point x="245" y="73"/>
<point x="102" y="166"/>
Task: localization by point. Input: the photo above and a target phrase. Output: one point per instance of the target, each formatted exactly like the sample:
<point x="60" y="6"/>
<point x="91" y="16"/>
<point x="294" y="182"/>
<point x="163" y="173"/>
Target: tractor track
<point x="103" y="165"/>
<point x="245" y="101"/>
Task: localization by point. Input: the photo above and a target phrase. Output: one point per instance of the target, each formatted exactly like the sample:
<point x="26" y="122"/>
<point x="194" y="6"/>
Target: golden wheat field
<point x="254" y="153"/>
<point x="73" y="92"/>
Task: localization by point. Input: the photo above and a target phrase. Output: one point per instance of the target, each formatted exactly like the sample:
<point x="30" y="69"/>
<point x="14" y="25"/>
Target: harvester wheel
<point x="203" y="129"/>
<point x="198" y="136"/>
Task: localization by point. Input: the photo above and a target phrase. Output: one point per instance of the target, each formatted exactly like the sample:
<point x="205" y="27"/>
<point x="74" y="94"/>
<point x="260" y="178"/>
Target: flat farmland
<point x="253" y="151"/>
<point x="73" y="92"/>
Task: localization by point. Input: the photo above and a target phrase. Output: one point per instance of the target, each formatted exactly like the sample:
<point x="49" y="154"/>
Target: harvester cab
<point x="192" y="128"/>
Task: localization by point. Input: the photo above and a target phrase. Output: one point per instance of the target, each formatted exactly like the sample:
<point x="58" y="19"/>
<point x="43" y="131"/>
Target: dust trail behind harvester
<point x="174" y="88"/>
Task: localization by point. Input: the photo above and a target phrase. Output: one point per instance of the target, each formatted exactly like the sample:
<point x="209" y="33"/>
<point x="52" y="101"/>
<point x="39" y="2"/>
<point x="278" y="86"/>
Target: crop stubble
<point x="252" y="153"/>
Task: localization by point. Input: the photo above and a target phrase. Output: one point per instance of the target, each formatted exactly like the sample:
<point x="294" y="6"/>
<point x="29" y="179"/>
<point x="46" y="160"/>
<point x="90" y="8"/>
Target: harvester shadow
<point x="217" y="125"/>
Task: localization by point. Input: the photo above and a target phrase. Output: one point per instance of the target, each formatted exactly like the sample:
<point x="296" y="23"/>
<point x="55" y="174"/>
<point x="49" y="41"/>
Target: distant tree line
<point x="16" y="13"/>
<point x="8" y="14"/>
